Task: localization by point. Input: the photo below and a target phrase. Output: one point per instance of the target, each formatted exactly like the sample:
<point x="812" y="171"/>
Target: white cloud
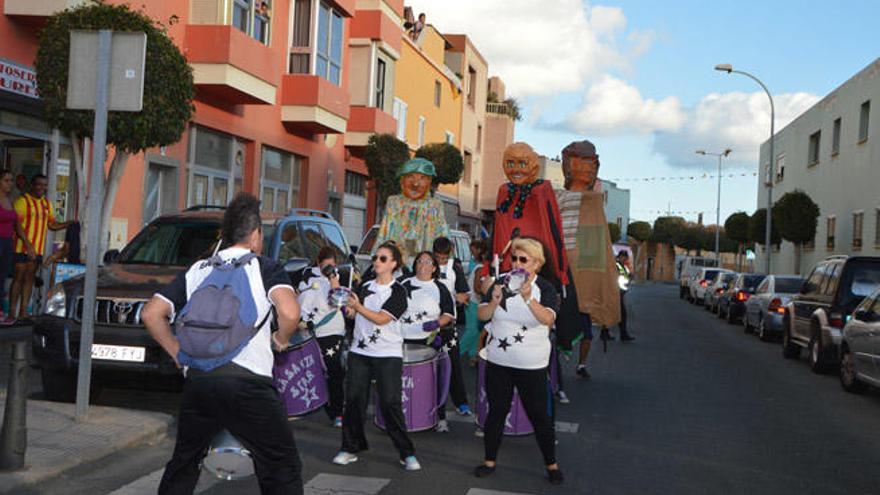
<point x="740" y="121"/>
<point x="612" y="106"/>
<point x="538" y="48"/>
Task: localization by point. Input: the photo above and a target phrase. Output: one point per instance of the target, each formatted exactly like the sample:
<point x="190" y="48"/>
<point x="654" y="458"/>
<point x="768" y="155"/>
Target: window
<point x="476" y="197"/>
<point x="468" y="162"/>
<point x="472" y="86"/>
<point x="832" y="278"/>
<point x="328" y="56"/>
<point x="279" y="187"/>
<point x="780" y="167"/>
<point x="813" y="156"/>
<point x="835" y="137"/>
<point x="300" y="61"/>
<point x="437" y="91"/>
<point x="252" y="17"/>
<point x="450" y="138"/>
<point x="858" y="219"/>
<point x="816" y="278"/>
<point x="216" y="163"/>
<point x="864" y="117"/>
<point x="479" y="138"/>
<point x="830" y="228"/>
<point x="355" y="184"/>
<point x="877" y="227"/>
<point x="380" y="84"/>
<point x="399" y="113"/>
<point x="422" y="123"/>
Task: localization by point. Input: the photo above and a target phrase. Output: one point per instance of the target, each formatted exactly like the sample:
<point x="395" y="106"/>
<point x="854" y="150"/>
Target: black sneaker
<point x="483" y="471"/>
<point x="582" y="372"/>
<point x="554" y="476"/>
<point x="627" y="338"/>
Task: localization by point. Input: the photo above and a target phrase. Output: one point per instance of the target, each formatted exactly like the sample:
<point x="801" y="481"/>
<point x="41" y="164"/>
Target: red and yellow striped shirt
<point x="34" y="215"/>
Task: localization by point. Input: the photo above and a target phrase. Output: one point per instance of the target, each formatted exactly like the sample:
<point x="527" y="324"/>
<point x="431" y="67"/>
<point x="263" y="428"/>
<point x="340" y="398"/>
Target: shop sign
<point x="18" y="79"/>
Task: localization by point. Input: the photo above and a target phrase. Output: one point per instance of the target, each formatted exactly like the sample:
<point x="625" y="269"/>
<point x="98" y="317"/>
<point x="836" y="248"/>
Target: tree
<point x="640" y="231"/>
<point x="446" y="159"/>
<point x="167" y="99"/>
<point x="691" y="237"/>
<point x="668" y="229"/>
<point x="384" y="156"/>
<point x="614" y="231"/>
<point x="796" y="216"/>
<point x="758" y="226"/>
<point x="513" y="109"/>
<point x="737" y="229"/>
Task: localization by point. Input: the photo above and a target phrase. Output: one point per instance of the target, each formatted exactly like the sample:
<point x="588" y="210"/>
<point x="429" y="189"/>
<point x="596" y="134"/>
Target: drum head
<point x="229" y="464"/>
<point x="417" y="353"/>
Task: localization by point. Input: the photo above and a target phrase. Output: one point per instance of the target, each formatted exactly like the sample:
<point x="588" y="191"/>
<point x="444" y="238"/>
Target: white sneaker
<point x="442" y="426"/>
<point x="479" y="432"/>
<point x="563" y="398"/>
<point x="344" y="458"/>
<point x="411" y="463"/>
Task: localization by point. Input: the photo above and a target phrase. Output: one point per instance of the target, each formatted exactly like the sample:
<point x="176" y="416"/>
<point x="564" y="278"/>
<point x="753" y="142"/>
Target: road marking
<point x="147" y="485"/>
<point x="481" y="491"/>
<point x="337" y="484"/>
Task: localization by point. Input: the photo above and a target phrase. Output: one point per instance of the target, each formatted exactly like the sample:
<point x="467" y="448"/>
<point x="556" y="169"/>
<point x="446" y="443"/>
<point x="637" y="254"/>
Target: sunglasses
<point x="425" y="261"/>
<point x="521" y="259"/>
<point x="381" y="259"/>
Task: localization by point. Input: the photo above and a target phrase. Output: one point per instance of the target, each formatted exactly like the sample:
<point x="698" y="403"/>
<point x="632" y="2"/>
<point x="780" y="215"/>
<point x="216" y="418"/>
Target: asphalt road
<point x="693" y="406"/>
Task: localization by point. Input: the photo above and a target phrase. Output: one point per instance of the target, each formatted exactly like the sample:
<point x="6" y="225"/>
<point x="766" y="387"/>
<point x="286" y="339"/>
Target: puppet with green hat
<point x="413" y="219"/>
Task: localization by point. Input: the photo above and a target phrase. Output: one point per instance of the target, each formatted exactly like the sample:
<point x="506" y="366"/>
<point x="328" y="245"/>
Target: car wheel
<point x="747" y="328"/>
<point x="848" y="378"/>
<point x="790" y="350"/>
<point x="818" y="360"/>
<point x="60" y="386"/>
<point x="729" y="316"/>
<point x="681" y="292"/>
<point x="762" y="331"/>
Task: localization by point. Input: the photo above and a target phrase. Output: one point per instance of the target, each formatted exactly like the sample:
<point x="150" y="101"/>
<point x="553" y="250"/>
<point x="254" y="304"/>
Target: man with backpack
<point x="221" y="311"/>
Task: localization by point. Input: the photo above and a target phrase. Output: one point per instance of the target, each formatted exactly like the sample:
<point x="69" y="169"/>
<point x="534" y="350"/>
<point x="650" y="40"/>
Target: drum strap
<point x="326" y="319"/>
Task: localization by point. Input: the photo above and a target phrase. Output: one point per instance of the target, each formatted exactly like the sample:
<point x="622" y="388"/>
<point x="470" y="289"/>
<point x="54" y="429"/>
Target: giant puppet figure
<point x="594" y="287"/>
<point x="413" y="219"/>
<point x="526" y="207"/>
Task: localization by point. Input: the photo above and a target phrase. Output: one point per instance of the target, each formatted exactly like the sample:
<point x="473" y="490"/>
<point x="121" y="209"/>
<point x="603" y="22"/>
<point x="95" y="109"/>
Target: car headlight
<point x="56" y="302"/>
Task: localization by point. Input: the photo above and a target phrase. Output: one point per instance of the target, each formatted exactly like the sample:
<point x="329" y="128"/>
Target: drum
<point x="227" y="459"/>
<point x="425" y="386"/>
<point x="298" y="375"/>
<point x="517" y="422"/>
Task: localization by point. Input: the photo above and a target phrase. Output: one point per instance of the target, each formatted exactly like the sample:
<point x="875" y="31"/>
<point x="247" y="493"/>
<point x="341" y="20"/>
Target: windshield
<point x="752" y="281"/>
<point x="788" y="285"/>
<point x="177" y="243"/>
<point x="710" y="275"/>
<point x="369" y="240"/>
<point x="858" y="282"/>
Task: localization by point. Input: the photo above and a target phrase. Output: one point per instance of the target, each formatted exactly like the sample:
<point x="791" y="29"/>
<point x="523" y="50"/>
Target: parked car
<point x="700" y="282"/>
<point x="160" y="251"/>
<point x="731" y="302"/>
<point x="687" y="267"/>
<point x="764" y="311"/>
<point x="860" y="347"/>
<point x="460" y="239"/>
<point x="716" y="289"/>
<point x="815" y="317"/>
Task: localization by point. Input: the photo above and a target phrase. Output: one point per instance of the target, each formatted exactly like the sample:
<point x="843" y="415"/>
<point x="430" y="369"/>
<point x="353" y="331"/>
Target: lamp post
<point x="768" y="226"/>
<point x="721" y="155"/>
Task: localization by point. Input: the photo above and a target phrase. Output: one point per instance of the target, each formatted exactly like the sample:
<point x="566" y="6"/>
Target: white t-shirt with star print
<point x="516" y="338"/>
<point x="374" y="340"/>
<point x="427" y="301"/>
<point x="314" y="291"/>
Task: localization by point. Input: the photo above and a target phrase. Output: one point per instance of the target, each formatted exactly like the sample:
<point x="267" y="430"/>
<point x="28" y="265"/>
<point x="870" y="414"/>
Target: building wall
<point x="551" y="170"/>
<point x="616" y="206"/>
<point x="841" y="183"/>
<point x="499" y="135"/>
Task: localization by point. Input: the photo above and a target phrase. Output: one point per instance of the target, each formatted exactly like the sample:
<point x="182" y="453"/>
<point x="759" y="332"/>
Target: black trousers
<point x="457" y="389"/>
<point x="534" y="391"/>
<point x="622" y="324"/>
<point x="250" y="408"/>
<point x="387" y="373"/>
<point x="331" y="350"/>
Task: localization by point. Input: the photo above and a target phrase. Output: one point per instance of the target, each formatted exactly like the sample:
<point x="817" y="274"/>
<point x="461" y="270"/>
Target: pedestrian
<point x="623" y="280"/>
<point x="36" y="216"/>
<point x="376" y="354"/>
<point x="231" y="387"/>
<point x="471" y="334"/>
<point x="452" y="275"/>
<point x="429" y="311"/>
<point x="9" y="225"/>
<point x="518" y="352"/>
<point x="326" y="322"/>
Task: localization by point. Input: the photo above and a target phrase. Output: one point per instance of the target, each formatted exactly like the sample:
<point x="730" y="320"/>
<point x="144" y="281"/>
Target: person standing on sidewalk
<point x="9" y="225"/>
<point x="623" y="280"/>
<point x="36" y="217"/>
<point x="377" y="353"/>
<point x="234" y="392"/>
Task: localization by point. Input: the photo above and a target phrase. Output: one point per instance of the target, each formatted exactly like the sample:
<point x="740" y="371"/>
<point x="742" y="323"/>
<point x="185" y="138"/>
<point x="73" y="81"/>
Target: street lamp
<point x="721" y="155"/>
<point x="729" y="69"/>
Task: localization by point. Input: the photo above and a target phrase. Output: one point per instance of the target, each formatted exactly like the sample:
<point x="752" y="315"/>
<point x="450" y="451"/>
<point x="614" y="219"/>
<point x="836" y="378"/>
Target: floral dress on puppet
<point x="526" y="206"/>
<point x="413" y="219"/>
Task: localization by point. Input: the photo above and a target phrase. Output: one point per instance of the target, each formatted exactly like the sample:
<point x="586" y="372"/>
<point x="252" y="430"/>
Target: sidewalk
<point x="56" y="442"/>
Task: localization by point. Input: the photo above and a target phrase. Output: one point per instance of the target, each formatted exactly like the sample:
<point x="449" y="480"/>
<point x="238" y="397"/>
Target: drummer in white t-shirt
<point x="327" y="323"/>
<point x="376" y="353"/>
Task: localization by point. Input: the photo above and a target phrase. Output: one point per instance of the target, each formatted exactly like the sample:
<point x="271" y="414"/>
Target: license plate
<point x="118" y="353"/>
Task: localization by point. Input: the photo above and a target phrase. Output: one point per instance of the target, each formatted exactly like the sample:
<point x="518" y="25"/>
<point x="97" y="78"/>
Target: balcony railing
<point x="499" y="108"/>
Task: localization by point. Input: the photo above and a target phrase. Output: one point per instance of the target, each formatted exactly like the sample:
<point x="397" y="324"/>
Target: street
<point x="692" y="406"/>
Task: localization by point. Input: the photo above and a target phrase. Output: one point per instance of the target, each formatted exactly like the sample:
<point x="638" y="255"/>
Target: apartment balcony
<point x="366" y="121"/>
<point x="346" y="7"/>
<point x="313" y="105"/>
<point x="38" y="8"/>
<point x="377" y="25"/>
<point x="231" y="66"/>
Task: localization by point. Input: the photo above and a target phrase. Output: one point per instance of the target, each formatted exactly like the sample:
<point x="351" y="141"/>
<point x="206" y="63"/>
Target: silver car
<point x="715" y="289"/>
<point x="701" y="281"/>
<point x="860" y="347"/>
<point x="765" y="310"/>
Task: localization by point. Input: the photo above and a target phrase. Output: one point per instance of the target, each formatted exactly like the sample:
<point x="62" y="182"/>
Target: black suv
<point x="168" y="245"/>
<point x="815" y="317"/>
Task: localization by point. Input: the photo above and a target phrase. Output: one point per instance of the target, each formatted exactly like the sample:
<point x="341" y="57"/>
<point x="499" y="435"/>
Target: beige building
<point x="551" y="171"/>
<point x="499" y="134"/>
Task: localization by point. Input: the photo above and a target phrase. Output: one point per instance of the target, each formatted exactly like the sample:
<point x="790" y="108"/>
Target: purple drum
<point x="517" y="422"/>
<point x="425" y="386"/>
<point x="298" y="375"/>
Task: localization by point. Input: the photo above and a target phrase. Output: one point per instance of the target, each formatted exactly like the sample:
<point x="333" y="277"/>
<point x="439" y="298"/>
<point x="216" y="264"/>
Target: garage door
<point x="354" y="215"/>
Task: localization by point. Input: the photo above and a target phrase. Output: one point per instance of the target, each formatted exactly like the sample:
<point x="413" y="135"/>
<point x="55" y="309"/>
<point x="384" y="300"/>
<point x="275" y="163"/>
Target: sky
<point x="636" y="78"/>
